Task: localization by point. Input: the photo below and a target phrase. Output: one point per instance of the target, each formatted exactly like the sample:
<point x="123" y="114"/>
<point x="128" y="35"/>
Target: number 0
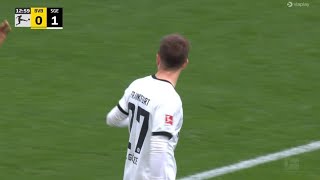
<point x="38" y="20"/>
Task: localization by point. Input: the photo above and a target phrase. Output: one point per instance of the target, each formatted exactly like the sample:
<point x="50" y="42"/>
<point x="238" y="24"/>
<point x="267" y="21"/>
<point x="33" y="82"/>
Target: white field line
<point x="254" y="162"/>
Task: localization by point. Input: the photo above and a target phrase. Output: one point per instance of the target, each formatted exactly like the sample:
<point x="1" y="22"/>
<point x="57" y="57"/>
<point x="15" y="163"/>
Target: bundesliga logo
<point x="169" y="120"/>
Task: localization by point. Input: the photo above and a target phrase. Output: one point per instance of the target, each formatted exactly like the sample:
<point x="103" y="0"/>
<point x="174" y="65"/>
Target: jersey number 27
<point x="144" y="128"/>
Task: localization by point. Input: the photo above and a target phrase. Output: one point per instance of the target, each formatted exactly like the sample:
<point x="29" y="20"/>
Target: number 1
<point x="54" y="18"/>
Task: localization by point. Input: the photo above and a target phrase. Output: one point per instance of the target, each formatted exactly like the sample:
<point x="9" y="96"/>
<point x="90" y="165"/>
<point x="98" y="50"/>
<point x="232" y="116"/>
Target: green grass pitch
<point x="252" y="86"/>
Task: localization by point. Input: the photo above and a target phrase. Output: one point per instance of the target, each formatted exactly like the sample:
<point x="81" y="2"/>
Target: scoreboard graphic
<point x="39" y="18"/>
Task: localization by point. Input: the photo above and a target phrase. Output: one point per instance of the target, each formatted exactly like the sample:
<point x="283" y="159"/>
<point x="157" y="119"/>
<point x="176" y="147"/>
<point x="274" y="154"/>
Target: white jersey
<point x="154" y="108"/>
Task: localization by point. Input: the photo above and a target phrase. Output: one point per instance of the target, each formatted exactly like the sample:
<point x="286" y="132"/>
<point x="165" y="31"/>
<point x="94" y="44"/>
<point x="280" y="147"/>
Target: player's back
<point x="154" y="108"/>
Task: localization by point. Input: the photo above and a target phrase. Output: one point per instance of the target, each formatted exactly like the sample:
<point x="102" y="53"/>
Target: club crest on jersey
<point x="169" y="120"/>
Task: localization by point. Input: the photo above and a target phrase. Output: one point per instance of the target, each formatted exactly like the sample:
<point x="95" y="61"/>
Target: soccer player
<point x="152" y="110"/>
<point x="4" y="30"/>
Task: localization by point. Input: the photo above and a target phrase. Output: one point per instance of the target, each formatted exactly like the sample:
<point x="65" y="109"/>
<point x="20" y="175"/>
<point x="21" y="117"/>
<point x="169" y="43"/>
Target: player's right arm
<point x="166" y="119"/>
<point x="4" y="30"/>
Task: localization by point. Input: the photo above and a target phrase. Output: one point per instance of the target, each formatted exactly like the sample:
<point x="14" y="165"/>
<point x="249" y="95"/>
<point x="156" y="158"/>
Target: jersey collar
<point x="154" y="77"/>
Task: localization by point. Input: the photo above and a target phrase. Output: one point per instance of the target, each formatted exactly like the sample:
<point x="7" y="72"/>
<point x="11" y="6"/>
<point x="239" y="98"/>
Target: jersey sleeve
<point x="167" y="117"/>
<point x="123" y="102"/>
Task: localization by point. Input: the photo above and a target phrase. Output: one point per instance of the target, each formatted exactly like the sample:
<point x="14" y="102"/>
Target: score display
<point x="39" y="18"/>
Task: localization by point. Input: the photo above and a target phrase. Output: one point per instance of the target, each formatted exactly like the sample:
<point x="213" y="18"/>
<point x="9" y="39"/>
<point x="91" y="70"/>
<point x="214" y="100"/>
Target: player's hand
<point x="5" y="27"/>
<point x="4" y="30"/>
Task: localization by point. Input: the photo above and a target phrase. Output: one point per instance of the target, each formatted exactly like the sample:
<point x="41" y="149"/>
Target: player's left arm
<point x="117" y="117"/>
<point x="4" y="30"/>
